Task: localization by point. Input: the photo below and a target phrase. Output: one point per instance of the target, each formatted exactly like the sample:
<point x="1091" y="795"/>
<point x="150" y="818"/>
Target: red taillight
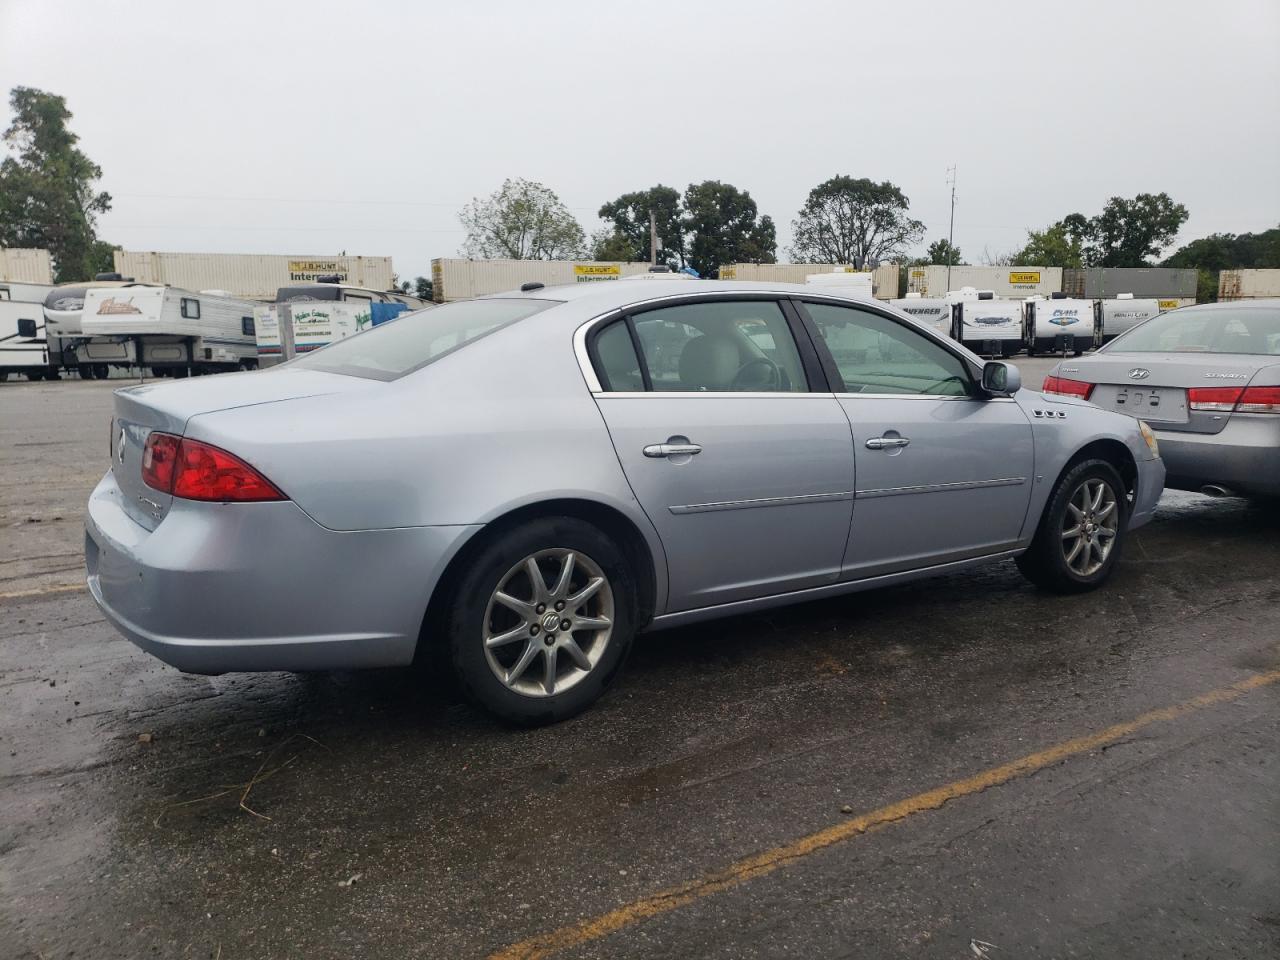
<point x="1067" y="388"/>
<point x="197" y="471"/>
<point x="1222" y="399"/>
<point x="158" y="458"/>
<point x="1259" y="400"/>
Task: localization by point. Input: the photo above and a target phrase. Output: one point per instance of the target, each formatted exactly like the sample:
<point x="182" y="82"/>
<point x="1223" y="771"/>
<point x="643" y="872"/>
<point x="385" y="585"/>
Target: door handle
<point x="672" y="449"/>
<point x="885" y="443"/>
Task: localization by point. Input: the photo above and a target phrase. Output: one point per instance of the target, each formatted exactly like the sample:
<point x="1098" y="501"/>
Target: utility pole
<point x="653" y="239"/>
<point x="951" y="230"/>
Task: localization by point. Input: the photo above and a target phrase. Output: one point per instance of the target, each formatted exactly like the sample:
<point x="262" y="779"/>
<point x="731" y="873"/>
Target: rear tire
<point x="101" y="371"/>
<point x="540" y="672"/>
<point x="1078" y="542"/>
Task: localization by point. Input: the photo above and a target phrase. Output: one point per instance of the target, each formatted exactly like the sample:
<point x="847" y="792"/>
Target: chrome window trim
<point x="700" y="394"/>
<point x="919" y="396"/>
<point x="939" y="487"/>
<point x="762" y="502"/>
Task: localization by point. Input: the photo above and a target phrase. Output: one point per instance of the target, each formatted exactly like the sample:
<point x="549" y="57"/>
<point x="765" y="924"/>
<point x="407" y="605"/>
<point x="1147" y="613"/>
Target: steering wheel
<point x="773" y="380"/>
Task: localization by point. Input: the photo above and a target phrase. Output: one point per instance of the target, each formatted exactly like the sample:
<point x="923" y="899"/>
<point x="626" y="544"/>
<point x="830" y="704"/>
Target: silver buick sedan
<point x="1207" y="379"/>
<point x="516" y="485"/>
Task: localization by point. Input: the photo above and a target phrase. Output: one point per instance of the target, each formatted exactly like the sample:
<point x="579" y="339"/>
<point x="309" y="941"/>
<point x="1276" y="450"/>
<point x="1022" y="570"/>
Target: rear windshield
<point x="413" y="340"/>
<point x="1253" y="330"/>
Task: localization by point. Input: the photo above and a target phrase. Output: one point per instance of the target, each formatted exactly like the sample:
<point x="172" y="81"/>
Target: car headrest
<point x="709" y="362"/>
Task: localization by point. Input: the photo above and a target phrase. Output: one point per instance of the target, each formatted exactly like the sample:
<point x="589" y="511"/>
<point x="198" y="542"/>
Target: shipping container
<point x="463" y="279"/>
<point x="884" y="278"/>
<point x="1094" y="283"/>
<point x="1017" y="282"/>
<point x="1248" y="284"/>
<point x="255" y="276"/>
<point x="26" y="265"/>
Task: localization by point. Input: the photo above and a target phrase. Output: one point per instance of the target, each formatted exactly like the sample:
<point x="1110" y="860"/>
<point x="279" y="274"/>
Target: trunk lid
<point x="168" y="405"/>
<point x="1154" y="386"/>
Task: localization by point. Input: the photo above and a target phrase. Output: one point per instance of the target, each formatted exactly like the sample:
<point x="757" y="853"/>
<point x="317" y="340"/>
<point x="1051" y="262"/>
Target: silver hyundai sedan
<point x="1207" y="379"/>
<point x="516" y="485"/>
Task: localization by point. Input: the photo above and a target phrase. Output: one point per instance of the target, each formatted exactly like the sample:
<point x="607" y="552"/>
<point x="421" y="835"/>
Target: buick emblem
<point x="1139" y="373"/>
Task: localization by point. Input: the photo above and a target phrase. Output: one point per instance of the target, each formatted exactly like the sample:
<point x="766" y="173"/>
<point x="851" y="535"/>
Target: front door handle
<point x="672" y="449"/>
<point x="886" y="443"/>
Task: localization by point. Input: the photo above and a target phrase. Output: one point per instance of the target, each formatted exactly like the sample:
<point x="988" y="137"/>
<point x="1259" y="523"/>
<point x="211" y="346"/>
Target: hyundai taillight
<point x="197" y="471"/>
<point x="1067" y="388"/>
<point x="1259" y="400"/>
<point x="1219" y="399"/>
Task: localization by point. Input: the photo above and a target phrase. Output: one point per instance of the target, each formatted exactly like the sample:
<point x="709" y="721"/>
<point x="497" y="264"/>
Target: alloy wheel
<point x="548" y="623"/>
<point x="1090" y="526"/>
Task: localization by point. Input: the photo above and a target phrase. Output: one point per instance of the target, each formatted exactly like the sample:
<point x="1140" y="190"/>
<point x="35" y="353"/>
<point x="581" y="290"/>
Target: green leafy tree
<point x="1131" y="233"/>
<point x="609" y="244"/>
<point x="941" y="251"/>
<point x="1054" y="246"/>
<point x="627" y="235"/>
<point x="522" y="220"/>
<point x="48" y="195"/>
<point x="855" y="221"/>
<point x="422" y="287"/>
<point x="723" y="226"/>
<point x="1226" y="251"/>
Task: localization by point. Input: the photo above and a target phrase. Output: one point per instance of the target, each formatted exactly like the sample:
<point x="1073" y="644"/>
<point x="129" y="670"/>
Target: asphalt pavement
<point x="959" y="768"/>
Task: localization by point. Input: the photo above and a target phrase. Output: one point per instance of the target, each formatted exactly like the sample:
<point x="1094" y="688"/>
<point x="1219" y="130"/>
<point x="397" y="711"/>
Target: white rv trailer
<point x="22" y="342"/>
<point x="1113" y="317"/>
<point x="985" y="325"/>
<point x="1058" y="325"/>
<point x="174" y="332"/>
<point x="932" y="311"/>
<point x="63" y="306"/>
<point x="24" y="292"/>
<point x="324" y="312"/>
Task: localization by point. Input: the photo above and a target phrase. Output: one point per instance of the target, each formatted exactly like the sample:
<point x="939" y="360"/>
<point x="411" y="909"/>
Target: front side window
<point x="720" y="347"/>
<point x="877" y="355"/>
<point x="1246" y="329"/>
<point x="391" y="350"/>
<point x="190" y="308"/>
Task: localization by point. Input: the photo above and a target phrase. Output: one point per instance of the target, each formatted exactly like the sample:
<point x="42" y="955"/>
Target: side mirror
<point x="27" y="328"/>
<point x="1001" y="378"/>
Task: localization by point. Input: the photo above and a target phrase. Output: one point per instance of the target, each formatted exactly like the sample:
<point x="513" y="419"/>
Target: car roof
<point x="1268" y="302"/>
<point x="609" y="295"/>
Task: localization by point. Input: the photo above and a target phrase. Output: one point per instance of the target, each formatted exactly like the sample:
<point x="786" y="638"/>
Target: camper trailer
<point x="1058" y="325"/>
<point x="63" y="306"/>
<point x="985" y="325"/>
<point x="323" y="312"/>
<point x="934" y="312"/>
<point x="23" y="349"/>
<point x="174" y="332"/>
<point x="1113" y="317"/>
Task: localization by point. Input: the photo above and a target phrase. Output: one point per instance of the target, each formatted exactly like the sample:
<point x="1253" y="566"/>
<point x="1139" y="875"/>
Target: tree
<point x="854" y="221"/>
<point x="722" y="227"/>
<point x="1226" y="251"/>
<point x="1054" y="246"/>
<point x="422" y="287"/>
<point x="521" y="221"/>
<point x="47" y="187"/>
<point x="941" y="251"/>
<point x="628" y="216"/>
<point x="1131" y="233"/>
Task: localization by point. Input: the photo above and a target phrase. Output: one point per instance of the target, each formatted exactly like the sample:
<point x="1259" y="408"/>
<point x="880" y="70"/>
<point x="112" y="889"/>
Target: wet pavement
<point x="147" y="813"/>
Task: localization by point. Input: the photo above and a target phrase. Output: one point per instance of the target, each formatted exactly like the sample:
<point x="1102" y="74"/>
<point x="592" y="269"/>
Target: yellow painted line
<point x="43" y="591"/>
<point x="673" y="898"/>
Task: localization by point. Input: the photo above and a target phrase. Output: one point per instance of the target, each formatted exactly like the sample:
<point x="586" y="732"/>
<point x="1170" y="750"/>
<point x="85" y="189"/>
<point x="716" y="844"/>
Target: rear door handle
<point x="885" y="443"/>
<point x="672" y="449"/>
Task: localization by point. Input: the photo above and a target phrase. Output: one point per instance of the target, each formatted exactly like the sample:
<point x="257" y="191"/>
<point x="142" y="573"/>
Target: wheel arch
<point x="612" y="521"/>
<point x="1114" y="452"/>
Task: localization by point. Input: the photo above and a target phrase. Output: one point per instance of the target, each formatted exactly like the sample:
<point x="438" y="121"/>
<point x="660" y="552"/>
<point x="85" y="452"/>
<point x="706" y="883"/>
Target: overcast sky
<point x="312" y="128"/>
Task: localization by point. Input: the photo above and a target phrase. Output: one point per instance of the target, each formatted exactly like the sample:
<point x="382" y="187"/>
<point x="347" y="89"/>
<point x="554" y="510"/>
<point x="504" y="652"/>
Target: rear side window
<point x="413" y="340"/>
<point x="190" y="308"/>
<point x="617" y="362"/>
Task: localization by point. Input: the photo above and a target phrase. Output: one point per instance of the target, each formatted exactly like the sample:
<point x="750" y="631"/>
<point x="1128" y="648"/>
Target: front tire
<point x="1078" y="542"/>
<point x="542" y="620"/>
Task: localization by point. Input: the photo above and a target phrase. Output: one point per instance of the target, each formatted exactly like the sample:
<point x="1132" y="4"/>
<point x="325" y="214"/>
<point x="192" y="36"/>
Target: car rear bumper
<point x="1150" y="485"/>
<point x="261" y="586"/>
<point x="1244" y="456"/>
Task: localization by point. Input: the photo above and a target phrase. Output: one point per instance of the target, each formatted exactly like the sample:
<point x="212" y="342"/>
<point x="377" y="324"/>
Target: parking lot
<point x="956" y="768"/>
